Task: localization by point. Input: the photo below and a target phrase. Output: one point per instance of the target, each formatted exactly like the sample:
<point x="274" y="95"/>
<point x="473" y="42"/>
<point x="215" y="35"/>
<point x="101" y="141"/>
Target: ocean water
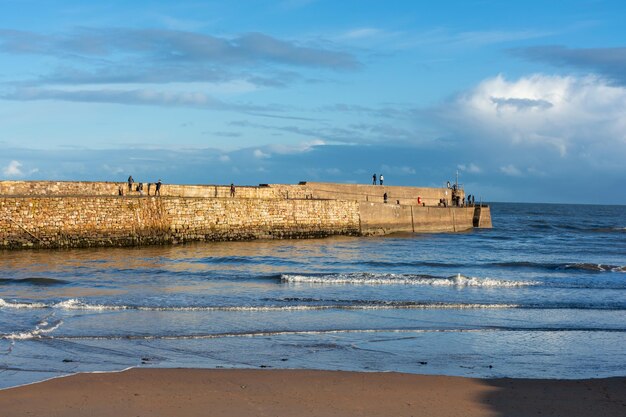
<point x="542" y="295"/>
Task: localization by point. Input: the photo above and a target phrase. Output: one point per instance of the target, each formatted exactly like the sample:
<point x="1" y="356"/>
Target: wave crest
<point x="457" y="280"/>
<point x="44" y="326"/>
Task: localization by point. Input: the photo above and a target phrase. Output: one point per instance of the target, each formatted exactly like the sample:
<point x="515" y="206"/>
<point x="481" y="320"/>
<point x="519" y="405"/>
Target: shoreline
<point x="239" y="392"/>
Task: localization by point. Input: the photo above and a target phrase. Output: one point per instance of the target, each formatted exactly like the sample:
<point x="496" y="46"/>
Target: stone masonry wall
<point x="381" y="219"/>
<point x="55" y="222"/>
<point x="55" y="214"/>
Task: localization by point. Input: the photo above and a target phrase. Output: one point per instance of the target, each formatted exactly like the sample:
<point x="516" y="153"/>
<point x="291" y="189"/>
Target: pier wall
<point x="56" y="214"/>
<point x="381" y="219"/>
<point x="55" y="222"/>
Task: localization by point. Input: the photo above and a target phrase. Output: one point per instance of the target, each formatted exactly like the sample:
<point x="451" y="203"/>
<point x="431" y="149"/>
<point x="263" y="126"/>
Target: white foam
<point x="395" y="279"/>
<point x="389" y="306"/>
<point x="64" y="376"/>
<point x="39" y="330"/>
<point x="71" y="304"/>
<point x="7" y="304"/>
<point x="74" y="304"/>
<point x="277" y="333"/>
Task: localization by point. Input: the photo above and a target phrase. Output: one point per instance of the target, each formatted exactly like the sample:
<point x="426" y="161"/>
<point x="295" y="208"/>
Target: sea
<point x="541" y="295"/>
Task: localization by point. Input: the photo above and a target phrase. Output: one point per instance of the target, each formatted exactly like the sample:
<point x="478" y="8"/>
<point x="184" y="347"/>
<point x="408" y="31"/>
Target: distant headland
<point x="64" y="214"/>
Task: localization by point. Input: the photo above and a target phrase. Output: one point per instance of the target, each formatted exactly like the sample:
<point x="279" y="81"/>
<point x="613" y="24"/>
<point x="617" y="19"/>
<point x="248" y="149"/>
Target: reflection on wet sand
<point x="192" y="257"/>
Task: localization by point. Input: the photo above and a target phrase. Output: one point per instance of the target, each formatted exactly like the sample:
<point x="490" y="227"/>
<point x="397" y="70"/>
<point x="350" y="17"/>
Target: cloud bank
<point x="129" y="97"/>
<point x="545" y="137"/>
<point x="162" y="45"/>
<point x="106" y="65"/>
<point x="563" y="115"/>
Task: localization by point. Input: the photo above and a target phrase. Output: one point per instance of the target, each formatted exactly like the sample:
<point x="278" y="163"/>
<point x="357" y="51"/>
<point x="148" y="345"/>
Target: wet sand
<point x="238" y="393"/>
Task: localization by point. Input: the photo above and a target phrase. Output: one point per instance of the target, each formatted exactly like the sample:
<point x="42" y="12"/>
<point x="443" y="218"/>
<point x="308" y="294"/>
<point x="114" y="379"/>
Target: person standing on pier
<point x="232" y="189"/>
<point x="130" y="183"/>
<point x="157" y="191"/>
<point x="374" y="179"/>
<point x="381" y="179"/>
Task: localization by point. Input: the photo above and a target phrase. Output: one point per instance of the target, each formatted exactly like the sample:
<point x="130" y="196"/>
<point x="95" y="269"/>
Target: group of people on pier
<point x="456" y="200"/>
<point x="459" y="201"/>
<point x="381" y="179"/>
<point x="138" y="187"/>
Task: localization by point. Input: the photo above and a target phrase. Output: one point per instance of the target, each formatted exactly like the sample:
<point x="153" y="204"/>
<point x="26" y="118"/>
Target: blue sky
<point x="526" y="100"/>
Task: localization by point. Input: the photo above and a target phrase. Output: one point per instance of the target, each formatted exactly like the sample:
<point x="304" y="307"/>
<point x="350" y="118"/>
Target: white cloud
<point x="224" y="158"/>
<point x="471" y="168"/>
<point x="566" y="115"/>
<point x="13" y="169"/>
<point x="295" y="149"/>
<point x="511" y="170"/>
<point x="260" y="154"/>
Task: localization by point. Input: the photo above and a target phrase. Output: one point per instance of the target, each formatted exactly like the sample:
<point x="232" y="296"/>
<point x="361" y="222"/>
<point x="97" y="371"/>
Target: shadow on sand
<point x="567" y="398"/>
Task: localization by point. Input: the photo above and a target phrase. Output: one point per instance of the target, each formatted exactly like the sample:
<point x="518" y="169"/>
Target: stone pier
<point x="53" y="214"/>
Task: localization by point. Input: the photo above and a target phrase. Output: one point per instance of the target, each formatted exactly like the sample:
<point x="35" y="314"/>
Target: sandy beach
<point x="200" y="392"/>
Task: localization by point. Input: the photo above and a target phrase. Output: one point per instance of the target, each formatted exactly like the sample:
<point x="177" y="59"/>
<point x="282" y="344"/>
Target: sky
<point x="525" y="100"/>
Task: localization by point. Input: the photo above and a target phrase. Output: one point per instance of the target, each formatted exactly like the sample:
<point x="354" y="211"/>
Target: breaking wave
<point x="43" y="327"/>
<point x="17" y="304"/>
<point x="74" y="304"/>
<point x="404" y="279"/>
<point x="311" y="304"/>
